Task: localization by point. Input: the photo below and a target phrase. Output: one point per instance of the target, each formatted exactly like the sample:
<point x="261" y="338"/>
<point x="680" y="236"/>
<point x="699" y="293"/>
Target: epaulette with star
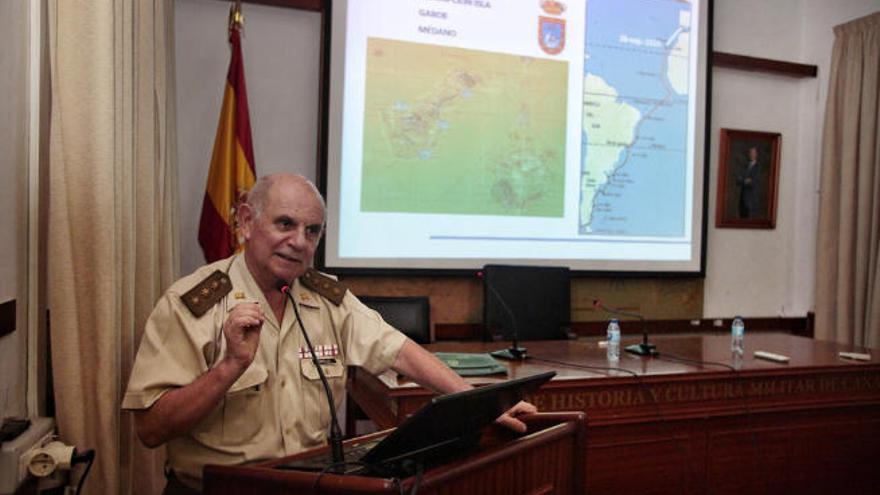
<point x="325" y="286"/>
<point x="207" y="293"/>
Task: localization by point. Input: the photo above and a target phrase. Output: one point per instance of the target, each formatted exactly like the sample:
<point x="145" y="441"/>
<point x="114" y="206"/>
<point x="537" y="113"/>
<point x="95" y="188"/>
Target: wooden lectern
<point x="547" y="459"/>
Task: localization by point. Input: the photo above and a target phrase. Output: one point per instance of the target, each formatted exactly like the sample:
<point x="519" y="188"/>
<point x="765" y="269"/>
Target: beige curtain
<point x="112" y="218"/>
<point x="848" y="251"/>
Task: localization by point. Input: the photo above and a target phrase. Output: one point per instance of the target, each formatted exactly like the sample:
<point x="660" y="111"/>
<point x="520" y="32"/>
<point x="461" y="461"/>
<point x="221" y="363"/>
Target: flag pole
<point x="236" y="19"/>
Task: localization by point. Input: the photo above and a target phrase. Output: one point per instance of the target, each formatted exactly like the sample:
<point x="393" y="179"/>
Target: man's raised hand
<point x="242" y="332"/>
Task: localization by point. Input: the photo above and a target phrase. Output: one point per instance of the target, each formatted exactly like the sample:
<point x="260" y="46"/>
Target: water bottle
<point x="613" y="337"/>
<point x="737" y="334"/>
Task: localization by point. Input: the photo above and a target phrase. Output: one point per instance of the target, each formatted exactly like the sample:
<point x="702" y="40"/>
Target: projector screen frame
<point x="323" y="173"/>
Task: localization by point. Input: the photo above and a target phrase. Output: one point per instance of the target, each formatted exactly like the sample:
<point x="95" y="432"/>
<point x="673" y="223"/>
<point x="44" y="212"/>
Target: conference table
<point x="695" y="418"/>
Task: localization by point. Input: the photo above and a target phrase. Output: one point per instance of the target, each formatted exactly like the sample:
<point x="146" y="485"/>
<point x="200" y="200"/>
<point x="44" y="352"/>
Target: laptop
<point x="442" y="429"/>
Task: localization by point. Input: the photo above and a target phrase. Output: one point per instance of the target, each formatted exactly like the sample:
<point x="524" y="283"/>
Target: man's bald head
<point x="259" y="195"/>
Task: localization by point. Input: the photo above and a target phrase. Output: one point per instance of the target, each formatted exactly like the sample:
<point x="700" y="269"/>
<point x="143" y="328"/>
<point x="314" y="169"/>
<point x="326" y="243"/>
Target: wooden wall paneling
<point x="457" y="302"/>
<point x="654" y="298"/>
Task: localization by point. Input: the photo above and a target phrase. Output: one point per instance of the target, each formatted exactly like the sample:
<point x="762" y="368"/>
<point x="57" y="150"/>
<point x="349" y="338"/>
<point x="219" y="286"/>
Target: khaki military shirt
<point x="277" y="407"/>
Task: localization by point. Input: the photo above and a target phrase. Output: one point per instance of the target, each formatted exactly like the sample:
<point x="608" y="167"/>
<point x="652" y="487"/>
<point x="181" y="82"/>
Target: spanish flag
<point x="232" y="162"/>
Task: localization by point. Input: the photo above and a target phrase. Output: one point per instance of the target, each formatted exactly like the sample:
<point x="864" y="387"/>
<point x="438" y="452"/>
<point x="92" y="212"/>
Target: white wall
<point x="749" y="272"/>
<point x="13" y="167"/>
<point x="771" y="272"/>
<point x="281" y="50"/>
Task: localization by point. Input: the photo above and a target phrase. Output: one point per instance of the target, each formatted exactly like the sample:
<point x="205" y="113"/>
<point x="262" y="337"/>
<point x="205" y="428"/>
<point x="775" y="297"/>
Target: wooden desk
<point x="810" y="426"/>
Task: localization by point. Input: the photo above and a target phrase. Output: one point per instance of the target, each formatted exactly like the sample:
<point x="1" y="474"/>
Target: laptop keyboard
<point x="352" y="455"/>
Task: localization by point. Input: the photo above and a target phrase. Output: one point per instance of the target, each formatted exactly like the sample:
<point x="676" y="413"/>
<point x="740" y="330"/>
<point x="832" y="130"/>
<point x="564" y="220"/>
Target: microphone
<point x="642" y="349"/>
<point x="335" y="437"/>
<point x="514" y="352"/>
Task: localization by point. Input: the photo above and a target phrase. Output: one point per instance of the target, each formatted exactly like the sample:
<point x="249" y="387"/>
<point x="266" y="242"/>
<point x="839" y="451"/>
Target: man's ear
<point x="244" y="218"/>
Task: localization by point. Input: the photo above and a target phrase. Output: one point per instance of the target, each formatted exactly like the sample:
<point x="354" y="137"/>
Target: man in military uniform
<point x="223" y="374"/>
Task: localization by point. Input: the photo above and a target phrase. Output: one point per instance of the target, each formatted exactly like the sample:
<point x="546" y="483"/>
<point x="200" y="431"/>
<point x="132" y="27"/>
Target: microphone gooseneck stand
<point x="514" y="352"/>
<point x="335" y="437"/>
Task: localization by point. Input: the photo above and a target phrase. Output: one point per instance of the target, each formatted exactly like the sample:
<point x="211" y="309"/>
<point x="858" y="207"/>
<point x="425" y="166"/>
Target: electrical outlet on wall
<point x="15" y="454"/>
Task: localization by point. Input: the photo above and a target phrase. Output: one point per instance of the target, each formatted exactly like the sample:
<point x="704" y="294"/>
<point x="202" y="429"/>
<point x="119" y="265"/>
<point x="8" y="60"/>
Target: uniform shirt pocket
<point x="315" y="405"/>
<point x="243" y="406"/>
<point x="332" y="368"/>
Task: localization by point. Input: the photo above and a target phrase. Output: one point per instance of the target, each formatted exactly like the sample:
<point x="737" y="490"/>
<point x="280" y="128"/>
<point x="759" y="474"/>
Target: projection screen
<point x="467" y="132"/>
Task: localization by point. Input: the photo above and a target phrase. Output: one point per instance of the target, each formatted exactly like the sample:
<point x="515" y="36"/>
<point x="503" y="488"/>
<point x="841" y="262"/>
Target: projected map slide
<point x="449" y="130"/>
<point x="635" y="119"/>
<point x="468" y="131"/>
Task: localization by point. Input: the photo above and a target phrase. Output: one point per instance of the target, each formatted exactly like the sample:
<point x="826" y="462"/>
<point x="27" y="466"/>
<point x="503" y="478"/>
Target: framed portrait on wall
<point x="748" y="176"/>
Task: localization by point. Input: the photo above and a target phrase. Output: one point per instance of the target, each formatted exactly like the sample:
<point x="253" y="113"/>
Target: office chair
<point x="410" y="315"/>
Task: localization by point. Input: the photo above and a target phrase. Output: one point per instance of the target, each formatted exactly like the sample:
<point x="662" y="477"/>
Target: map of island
<point x="451" y="130"/>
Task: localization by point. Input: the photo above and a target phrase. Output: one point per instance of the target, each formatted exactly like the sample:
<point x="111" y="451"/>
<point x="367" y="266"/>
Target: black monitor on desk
<point x="533" y="301"/>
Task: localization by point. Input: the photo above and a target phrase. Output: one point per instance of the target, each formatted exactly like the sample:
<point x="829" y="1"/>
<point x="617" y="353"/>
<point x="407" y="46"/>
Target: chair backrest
<point x="534" y="301"/>
<point x="410" y="315"/>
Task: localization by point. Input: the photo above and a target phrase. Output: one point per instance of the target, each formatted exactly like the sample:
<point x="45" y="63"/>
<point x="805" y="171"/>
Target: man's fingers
<point x="509" y="419"/>
<point x="249" y="309"/>
<point x="246" y="316"/>
<point x="249" y="323"/>
<point x="245" y="320"/>
<point x="512" y="423"/>
<point x="522" y="407"/>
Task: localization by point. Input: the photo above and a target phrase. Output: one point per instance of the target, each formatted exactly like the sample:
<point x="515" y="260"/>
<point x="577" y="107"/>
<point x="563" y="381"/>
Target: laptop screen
<point x="441" y="430"/>
<point x="451" y="419"/>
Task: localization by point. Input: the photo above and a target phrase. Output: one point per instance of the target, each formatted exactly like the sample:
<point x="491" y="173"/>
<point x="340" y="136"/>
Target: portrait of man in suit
<point x="751" y="179"/>
<point x="747" y="179"/>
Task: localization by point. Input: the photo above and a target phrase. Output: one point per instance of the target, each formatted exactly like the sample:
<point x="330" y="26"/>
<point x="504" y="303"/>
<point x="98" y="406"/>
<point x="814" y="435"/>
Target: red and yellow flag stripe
<point x="232" y="171"/>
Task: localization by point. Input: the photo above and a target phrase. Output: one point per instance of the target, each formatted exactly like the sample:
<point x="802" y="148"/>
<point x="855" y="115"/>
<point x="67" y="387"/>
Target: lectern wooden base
<point x="547" y="460"/>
